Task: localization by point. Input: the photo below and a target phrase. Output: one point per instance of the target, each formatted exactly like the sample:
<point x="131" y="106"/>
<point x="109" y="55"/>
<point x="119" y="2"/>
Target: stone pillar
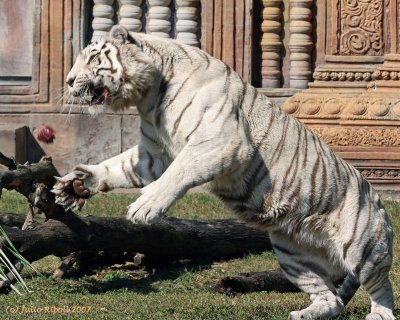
<point x="186" y="21"/>
<point x="159" y="18"/>
<point x="271" y="44"/>
<point x="300" y="43"/>
<point x="103" y="13"/>
<point x="131" y="15"/>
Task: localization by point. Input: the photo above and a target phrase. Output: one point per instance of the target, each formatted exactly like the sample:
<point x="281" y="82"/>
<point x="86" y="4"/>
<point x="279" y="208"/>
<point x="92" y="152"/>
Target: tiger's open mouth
<point x="101" y="95"/>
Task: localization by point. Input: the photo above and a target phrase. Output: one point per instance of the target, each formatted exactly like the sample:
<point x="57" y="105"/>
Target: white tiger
<point x="201" y="124"/>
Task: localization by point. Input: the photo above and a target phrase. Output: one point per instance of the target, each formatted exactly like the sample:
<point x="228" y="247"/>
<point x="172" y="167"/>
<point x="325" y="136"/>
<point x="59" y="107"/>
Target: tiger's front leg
<point x="196" y="164"/>
<point x="134" y="168"/>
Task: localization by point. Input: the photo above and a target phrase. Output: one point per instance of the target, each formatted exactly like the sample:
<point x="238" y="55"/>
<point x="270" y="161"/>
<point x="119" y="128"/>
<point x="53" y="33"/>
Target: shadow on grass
<point x="140" y="280"/>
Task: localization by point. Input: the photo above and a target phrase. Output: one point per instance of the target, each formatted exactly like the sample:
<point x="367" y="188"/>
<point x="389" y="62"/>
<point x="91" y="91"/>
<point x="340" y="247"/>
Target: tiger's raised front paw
<point x="72" y="190"/>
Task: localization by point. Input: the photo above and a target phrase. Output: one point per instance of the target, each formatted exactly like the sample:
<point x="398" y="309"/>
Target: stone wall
<point x="334" y="64"/>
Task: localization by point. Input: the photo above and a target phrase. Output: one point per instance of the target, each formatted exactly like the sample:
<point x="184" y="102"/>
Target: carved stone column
<point x="271" y="44"/>
<point x="300" y="43"/>
<point x="131" y="15"/>
<point x="159" y="18"/>
<point x="186" y="21"/>
<point x="103" y="13"/>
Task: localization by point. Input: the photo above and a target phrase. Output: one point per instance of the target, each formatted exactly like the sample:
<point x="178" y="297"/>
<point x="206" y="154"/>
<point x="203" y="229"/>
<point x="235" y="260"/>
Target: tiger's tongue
<point x="106" y="96"/>
<point x="97" y="99"/>
<point x="100" y="96"/>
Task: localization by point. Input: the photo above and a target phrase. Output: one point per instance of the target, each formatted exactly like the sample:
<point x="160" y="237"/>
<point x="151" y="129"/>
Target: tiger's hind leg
<point x="370" y="262"/>
<point x="375" y="280"/>
<point x="310" y="271"/>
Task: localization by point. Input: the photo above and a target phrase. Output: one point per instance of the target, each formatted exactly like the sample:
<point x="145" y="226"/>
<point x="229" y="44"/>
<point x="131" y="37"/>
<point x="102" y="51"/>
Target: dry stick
<point x="254" y="282"/>
<point x="30" y="219"/>
<point x="67" y="263"/>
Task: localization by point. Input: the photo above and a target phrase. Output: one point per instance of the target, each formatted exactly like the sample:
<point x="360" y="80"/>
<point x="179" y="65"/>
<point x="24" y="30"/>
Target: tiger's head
<point x="112" y="72"/>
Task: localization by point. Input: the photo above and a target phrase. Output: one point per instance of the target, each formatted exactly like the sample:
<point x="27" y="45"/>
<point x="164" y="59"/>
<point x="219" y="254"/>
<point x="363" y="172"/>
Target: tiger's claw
<point x="70" y="191"/>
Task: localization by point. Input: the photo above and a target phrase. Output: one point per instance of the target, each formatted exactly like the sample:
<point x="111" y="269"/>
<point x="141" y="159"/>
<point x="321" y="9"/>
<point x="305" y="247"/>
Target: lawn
<point x="178" y="291"/>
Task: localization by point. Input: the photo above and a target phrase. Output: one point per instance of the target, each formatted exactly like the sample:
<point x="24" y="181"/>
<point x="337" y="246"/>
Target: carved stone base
<point x="359" y="119"/>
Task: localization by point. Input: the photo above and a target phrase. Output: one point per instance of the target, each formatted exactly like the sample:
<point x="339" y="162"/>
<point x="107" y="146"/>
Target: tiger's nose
<point x="70" y="81"/>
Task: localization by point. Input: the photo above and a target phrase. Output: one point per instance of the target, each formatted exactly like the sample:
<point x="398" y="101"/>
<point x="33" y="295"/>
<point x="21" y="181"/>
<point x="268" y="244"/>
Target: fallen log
<point x="101" y="241"/>
<point x="64" y="232"/>
<point x="167" y="241"/>
<point x="105" y="240"/>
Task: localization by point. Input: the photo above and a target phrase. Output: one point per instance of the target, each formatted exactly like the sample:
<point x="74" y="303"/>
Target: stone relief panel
<point x="361" y="27"/>
<point x="359" y="137"/>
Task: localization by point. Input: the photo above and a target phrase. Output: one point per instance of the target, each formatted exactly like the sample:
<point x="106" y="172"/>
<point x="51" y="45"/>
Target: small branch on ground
<point x="255" y="281"/>
<point x="66" y="265"/>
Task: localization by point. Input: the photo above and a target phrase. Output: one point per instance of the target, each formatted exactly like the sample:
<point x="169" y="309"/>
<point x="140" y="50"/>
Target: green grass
<point x="180" y="291"/>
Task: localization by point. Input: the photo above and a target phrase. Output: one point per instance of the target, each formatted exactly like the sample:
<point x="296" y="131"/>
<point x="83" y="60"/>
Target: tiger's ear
<point x="121" y="35"/>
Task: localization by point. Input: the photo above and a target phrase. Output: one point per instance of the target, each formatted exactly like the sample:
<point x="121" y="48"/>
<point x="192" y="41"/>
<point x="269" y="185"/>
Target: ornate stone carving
<point x="187" y="21"/>
<point x="337" y="106"/>
<point x="131" y="14"/>
<point x="357" y="100"/>
<point x="380" y="173"/>
<point x="103" y="13"/>
<point x="314" y="106"/>
<point x="361" y="27"/>
<point x="386" y="75"/>
<point x="300" y="43"/>
<point x="159" y="18"/>
<point x="271" y="44"/>
<point x="356" y="137"/>
<point x="343" y="76"/>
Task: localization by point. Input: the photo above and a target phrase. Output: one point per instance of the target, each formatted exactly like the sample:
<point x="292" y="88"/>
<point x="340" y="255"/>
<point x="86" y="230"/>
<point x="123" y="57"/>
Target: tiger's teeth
<point x="59" y="185"/>
<point x="56" y="191"/>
